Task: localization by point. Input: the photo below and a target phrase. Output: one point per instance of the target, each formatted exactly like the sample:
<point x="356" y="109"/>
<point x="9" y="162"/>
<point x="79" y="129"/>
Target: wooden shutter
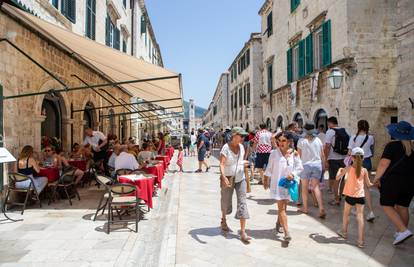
<point x="294" y="4"/>
<point x="248" y="57"/>
<point x="326" y="43"/>
<point x="309" y="54"/>
<point x="270" y="78"/>
<point x="117" y="38"/>
<point x="289" y="65"/>
<point x="93" y="19"/>
<point x="248" y="93"/>
<point x="270" y="24"/>
<point x="143" y="25"/>
<point x="301" y="58"/>
<point x="107" y="29"/>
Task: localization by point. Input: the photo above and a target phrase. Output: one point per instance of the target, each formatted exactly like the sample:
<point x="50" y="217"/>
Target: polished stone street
<point x="183" y="230"/>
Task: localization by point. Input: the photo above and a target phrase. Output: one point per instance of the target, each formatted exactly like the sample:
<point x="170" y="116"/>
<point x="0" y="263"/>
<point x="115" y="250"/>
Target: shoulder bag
<point x="231" y="178"/>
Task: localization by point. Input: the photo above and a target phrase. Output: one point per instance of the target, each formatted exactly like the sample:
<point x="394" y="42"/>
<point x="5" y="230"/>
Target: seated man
<point x="146" y="154"/>
<point x="125" y="160"/>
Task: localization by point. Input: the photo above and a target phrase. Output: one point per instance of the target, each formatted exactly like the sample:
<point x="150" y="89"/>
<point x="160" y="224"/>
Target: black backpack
<point x="341" y="141"/>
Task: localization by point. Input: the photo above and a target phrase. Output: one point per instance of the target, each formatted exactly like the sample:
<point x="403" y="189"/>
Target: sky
<point x="200" y="39"/>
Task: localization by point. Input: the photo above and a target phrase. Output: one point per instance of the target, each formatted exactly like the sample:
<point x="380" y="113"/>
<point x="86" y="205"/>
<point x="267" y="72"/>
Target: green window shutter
<point x="301" y="58"/>
<point x="117" y="38"/>
<point x="90" y="19"/>
<point x="270" y="24"/>
<point x="143" y="25"/>
<point x="293" y="5"/>
<point x="107" y="29"/>
<point x="248" y="93"/>
<point x="326" y="43"/>
<point x="309" y="54"/>
<point x="69" y="9"/>
<point x="289" y="66"/>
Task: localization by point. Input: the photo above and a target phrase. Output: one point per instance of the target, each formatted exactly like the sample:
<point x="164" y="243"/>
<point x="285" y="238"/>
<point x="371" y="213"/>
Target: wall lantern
<point x="335" y="78"/>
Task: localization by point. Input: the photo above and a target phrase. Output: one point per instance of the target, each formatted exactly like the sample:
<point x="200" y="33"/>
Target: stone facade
<point x="217" y="115"/>
<point x="23" y="116"/>
<point x="363" y="46"/>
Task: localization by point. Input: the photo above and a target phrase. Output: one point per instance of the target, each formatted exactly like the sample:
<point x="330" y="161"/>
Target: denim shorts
<point x="311" y="170"/>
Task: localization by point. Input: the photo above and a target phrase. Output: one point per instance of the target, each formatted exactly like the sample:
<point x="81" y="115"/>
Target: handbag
<point x="231" y="178"/>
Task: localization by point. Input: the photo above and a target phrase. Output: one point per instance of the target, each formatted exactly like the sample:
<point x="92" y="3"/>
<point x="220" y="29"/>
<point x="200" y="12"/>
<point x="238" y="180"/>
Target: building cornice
<point x="265" y="7"/>
<point x="253" y="37"/>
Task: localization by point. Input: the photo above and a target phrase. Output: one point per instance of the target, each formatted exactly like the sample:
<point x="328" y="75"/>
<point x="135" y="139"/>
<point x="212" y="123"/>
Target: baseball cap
<point x="239" y="131"/>
<point x="357" y="151"/>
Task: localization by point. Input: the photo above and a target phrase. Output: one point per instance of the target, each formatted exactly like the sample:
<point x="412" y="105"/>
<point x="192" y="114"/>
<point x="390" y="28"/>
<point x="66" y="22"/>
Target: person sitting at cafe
<point x="126" y="160"/>
<point x="146" y="154"/>
<point x="27" y="165"/>
<point x="77" y="152"/>
<point x="64" y="166"/>
<point x="132" y="150"/>
<point x="115" y="153"/>
<point x="49" y="158"/>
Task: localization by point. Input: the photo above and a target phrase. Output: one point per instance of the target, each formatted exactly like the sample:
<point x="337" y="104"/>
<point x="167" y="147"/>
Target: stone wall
<point x="22" y="121"/>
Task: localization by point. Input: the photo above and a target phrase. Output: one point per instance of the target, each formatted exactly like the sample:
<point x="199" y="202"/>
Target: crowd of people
<point x="291" y="163"/>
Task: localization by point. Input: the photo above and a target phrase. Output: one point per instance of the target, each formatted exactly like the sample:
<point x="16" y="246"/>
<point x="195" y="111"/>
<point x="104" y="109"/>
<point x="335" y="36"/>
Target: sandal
<point x="302" y="211"/>
<point x="322" y="215"/>
<point x="341" y="234"/>
<point x="245" y="238"/>
<point x="361" y="244"/>
<point x="278" y="227"/>
<point x="334" y="203"/>
<point x="224" y="226"/>
<point x="287" y="237"/>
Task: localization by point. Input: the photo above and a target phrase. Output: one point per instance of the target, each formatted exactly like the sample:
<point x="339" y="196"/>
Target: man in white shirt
<point x="114" y="155"/>
<point x="334" y="160"/>
<point x="98" y="142"/>
<point x="125" y="160"/>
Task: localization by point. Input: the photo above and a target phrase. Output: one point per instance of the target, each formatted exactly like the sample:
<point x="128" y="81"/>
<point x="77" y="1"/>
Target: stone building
<point x="368" y="41"/>
<point x="245" y="85"/>
<point x="74" y="61"/>
<point x="217" y="115"/>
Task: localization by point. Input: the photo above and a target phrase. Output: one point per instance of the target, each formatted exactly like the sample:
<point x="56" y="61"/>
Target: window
<point x="235" y="99"/>
<point x="270" y="78"/>
<point x="269" y="24"/>
<point x="240" y="96"/>
<point x="317" y="49"/>
<point x="112" y="35"/>
<point x="117" y="39"/>
<point x="231" y="105"/>
<point x="294" y="4"/>
<point x="247" y="57"/>
<point x="295" y="63"/>
<point x="149" y="49"/>
<point x="248" y="93"/>
<point x="245" y="95"/>
<point x="143" y="25"/>
<point x="124" y="46"/>
<point x="55" y="3"/>
<point x="68" y="9"/>
<point x="124" y="3"/>
<point x="90" y="19"/>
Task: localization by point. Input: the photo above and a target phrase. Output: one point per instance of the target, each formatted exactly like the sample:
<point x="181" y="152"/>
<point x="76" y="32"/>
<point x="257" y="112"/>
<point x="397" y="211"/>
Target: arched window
<point x="268" y="123"/>
<point x="88" y="116"/>
<point x="321" y="118"/>
<point x="299" y="119"/>
<point x="279" y="122"/>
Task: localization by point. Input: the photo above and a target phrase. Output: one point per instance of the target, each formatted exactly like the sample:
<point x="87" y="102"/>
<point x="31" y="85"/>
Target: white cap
<point x="357" y="151"/>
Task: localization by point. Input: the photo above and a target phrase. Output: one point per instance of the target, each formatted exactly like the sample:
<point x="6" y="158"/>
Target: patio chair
<point x="138" y="171"/>
<point x="123" y="172"/>
<point x="122" y="197"/>
<point x="66" y="181"/>
<point x="106" y="182"/>
<point x="29" y="190"/>
<point x="91" y="173"/>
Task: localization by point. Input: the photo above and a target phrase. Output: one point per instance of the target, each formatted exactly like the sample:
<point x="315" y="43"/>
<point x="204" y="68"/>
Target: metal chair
<point x="18" y="177"/>
<point x="121" y="197"/>
<point x="120" y="172"/>
<point x="66" y="181"/>
<point x="106" y="182"/>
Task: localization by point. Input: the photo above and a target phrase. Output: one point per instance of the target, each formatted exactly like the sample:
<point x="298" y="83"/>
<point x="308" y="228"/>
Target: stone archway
<point x="279" y="122"/>
<point x="269" y="124"/>
<point x="321" y="119"/>
<point x="298" y="118"/>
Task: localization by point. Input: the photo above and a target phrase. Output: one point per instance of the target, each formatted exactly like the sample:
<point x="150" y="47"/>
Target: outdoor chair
<point x="122" y="197"/>
<point x="106" y="182"/>
<point x="66" y="181"/>
<point x="123" y="172"/>
<point x="91" y="173"/>
<point x="29" y="190"/>
<point x="138" y="171"/>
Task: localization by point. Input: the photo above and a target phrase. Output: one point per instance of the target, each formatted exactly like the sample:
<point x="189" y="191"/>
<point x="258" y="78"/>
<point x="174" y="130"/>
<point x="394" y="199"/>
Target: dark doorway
<point x="321" y="118"/>
<point x="299" y="119"/>
<point x="52" y="125"/>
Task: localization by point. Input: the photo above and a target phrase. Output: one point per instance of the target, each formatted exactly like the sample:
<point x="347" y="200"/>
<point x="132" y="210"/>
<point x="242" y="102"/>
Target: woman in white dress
<point x="283" y="162"/>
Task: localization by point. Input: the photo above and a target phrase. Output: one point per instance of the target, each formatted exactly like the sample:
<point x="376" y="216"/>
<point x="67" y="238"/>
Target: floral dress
<point x="281" y="166"/>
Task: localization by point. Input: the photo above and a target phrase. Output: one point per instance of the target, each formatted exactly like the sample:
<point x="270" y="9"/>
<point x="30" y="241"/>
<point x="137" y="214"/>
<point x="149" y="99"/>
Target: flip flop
<point x="245" y="238"/>
<point x="302" y="211"/>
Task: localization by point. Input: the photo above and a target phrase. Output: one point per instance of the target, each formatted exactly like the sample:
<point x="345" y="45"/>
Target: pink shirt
<point x="354" y="186"/>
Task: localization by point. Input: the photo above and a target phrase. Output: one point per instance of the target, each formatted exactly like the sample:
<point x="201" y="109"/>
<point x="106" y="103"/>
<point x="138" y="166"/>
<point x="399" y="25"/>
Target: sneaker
<point x="402" y="236"/>
<point x="370" y="217"/>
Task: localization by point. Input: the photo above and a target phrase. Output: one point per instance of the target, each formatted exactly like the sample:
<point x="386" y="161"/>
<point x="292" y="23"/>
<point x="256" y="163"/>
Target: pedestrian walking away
<point x="394" y="177"/>
<point x="310" y="149"/>
<point x="202" y="150"/>
<point x="354" y="193"/>
<point x="284" y="163"/>
<point x="263" y="147"/>
<point x="232" y="178"/>
<point x="365" y="141"/>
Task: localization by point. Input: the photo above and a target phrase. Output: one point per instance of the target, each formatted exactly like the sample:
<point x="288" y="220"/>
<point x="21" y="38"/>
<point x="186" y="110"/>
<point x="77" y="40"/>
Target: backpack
<point x="341" y="141"/>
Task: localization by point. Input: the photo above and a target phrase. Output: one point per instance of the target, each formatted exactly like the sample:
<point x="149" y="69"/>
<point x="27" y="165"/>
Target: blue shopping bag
<point x="291" y="186"/>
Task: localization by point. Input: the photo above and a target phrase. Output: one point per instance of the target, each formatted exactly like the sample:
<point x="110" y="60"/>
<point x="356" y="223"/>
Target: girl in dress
<point x="180" y="158"/>
<point x="283" y="162"/>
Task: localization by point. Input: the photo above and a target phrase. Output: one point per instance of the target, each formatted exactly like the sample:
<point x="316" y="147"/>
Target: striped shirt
<point x="263" y="141"/>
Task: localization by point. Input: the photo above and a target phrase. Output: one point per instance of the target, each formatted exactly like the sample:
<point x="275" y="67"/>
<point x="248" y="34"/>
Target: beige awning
<point x="115" y="65"/>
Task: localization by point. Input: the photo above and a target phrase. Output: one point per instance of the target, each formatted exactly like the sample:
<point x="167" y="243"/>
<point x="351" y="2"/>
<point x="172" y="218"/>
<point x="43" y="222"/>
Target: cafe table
<point x="170" y="152"/>
<point x="80" y="164"/>
<point x="165" y="160"/>
<point x="144" y="184"/>
<point x="157" y="170"/>
<point x="52" y="173"/>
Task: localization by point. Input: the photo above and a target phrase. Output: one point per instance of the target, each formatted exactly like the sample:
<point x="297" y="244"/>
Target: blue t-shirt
<point x="202" y="137"/>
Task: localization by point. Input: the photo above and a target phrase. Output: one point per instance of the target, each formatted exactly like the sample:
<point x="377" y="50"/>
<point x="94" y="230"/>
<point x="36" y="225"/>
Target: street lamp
<point x="335" y="78"/>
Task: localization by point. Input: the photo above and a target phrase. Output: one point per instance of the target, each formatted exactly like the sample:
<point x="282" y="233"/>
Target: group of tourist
<point x="292" y="163"/>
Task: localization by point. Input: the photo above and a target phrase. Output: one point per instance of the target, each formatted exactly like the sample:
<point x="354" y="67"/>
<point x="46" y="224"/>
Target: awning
<point x="115" y="65"/>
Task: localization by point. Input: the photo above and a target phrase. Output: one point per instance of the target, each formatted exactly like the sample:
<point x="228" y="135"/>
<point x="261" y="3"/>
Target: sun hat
<point x="401" y="131"/>
<point x="309" y="129"/>
<point x="238" y="131"/>
<point x="357" y="151"/>
<point x="228" y="128"/>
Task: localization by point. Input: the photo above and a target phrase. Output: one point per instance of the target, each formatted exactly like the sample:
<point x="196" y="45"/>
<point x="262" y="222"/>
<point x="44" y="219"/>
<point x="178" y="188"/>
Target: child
<point x="180" y="158"/>
<point x="354" y="193"/>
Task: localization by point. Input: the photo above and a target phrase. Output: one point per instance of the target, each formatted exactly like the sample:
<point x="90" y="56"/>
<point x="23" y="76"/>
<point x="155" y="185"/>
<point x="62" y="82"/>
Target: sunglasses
<point x="282" y="140"/>
<point x="48" y="150"/>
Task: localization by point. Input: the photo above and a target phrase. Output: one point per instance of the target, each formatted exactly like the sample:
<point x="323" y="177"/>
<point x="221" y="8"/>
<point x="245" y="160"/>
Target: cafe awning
<point x="113" y="64"/>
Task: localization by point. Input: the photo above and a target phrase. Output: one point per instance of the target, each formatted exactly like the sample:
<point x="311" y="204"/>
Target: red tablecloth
<point x="145" y="187"/>
<point x="52" y="174"/>
<point x="80" y="164"/>
<point x="165" y="160"/>
<point x="157" y="171"/>
<point x="169" y="152"/>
